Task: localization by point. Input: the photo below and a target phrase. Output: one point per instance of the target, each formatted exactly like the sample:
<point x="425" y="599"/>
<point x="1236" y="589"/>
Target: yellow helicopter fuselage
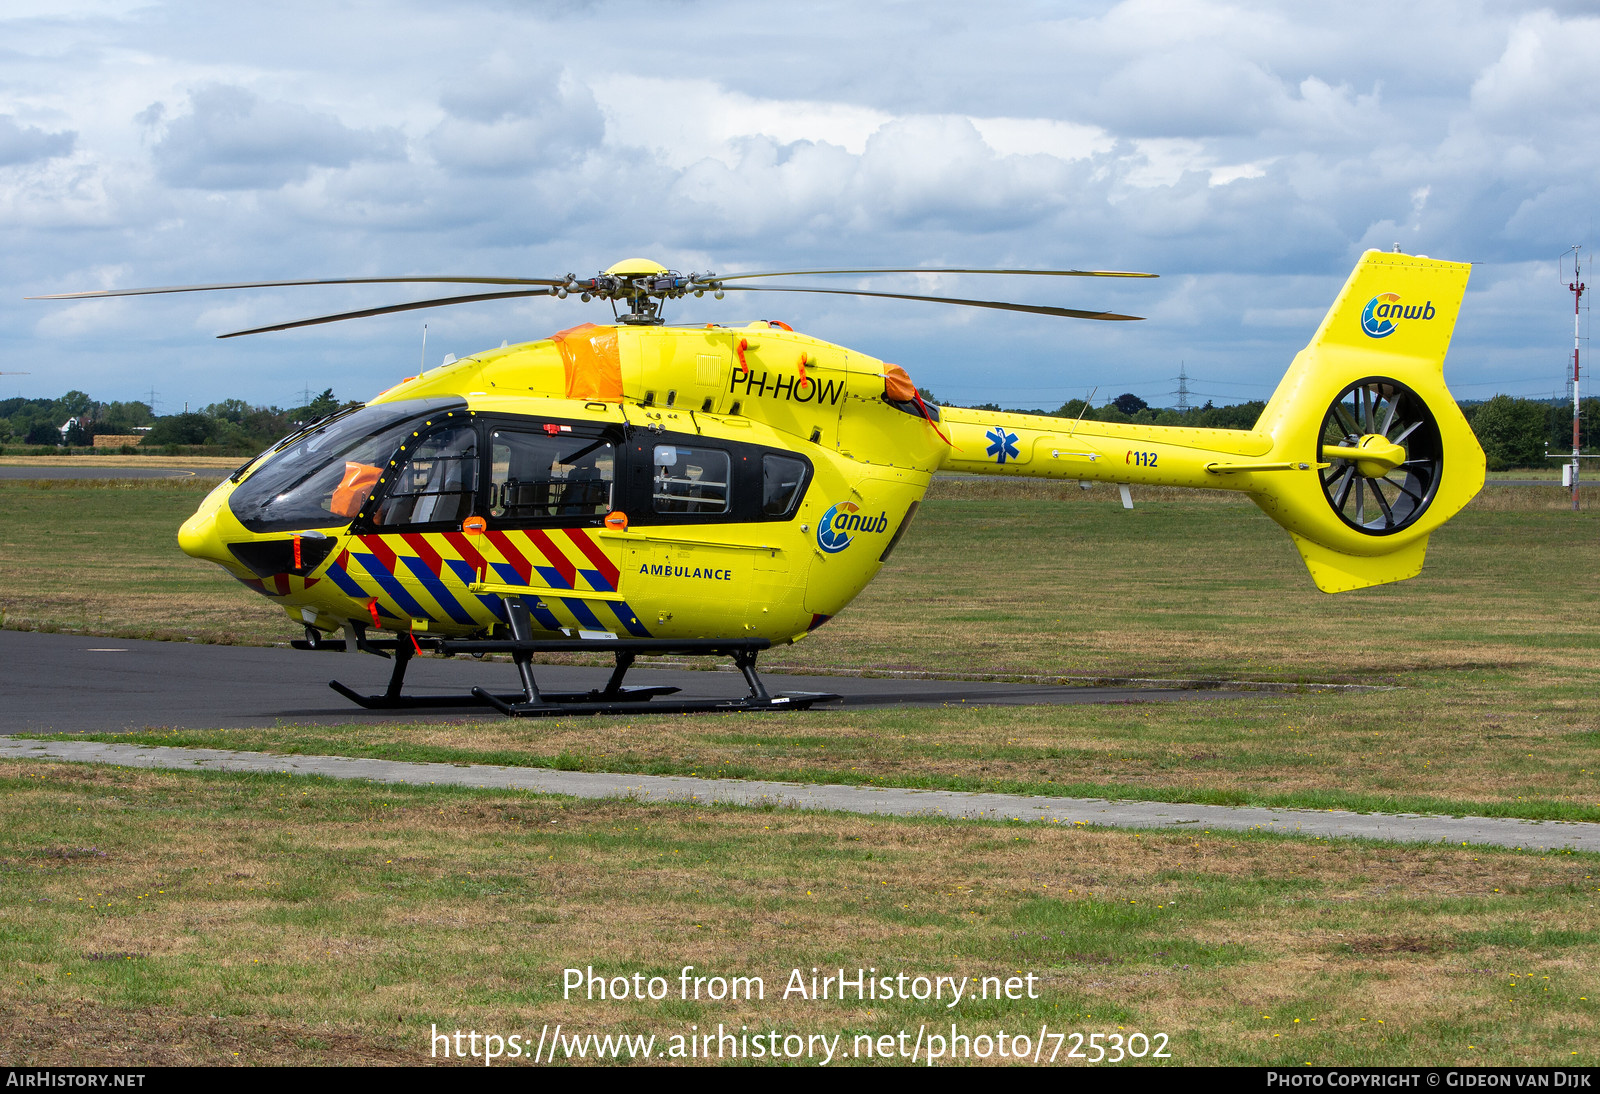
<point x="741" y="396"/>
<point x="643" y="481"/>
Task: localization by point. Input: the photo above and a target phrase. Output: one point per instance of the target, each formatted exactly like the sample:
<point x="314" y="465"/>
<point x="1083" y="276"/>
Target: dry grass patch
<point x="300" y="919"/>
<point x="224" y="465"/>
<point x="170" y="1037"/>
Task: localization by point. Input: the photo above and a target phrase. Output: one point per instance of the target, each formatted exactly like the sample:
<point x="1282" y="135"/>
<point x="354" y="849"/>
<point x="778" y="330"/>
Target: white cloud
<point x="230" y="139"/>
<point x="687" y="119"/>
<point x="1249" y="150"/>
<point x="506" y="120"/>
<point x="28" y="144"/>
<point x="1062" y="140"/>
<point x="1547" y="61"/>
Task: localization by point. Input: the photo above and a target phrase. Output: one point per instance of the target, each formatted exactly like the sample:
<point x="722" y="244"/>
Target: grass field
<point x="313" y="922"/>
<point x="174" y="918"/>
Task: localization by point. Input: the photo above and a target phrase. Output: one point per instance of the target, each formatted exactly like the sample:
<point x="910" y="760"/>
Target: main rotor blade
<point x="316" y="281"/>
<point x="1037" y="309"/>
<point x="388" y="309"/>
<point x="931" y="269"/>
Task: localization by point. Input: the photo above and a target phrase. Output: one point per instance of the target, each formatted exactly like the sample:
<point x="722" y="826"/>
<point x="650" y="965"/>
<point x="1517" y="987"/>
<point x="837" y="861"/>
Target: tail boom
<point x="1360" y="454"/>
<point x="1031" y="445"/>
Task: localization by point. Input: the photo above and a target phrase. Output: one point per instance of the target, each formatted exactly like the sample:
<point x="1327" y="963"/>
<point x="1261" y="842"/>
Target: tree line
<point x="1513" y="432"/>
<point x="232" y="424"/>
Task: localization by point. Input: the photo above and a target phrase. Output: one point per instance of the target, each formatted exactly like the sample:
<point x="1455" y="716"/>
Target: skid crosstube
<point x="613" y="698"/>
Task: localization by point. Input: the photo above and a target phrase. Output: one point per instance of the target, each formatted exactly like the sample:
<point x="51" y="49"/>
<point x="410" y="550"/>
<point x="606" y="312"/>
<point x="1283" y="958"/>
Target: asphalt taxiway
<point x="65" y="683"/>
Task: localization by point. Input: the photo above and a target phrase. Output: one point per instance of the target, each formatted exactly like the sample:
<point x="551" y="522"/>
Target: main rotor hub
<point x="644" y="285"/>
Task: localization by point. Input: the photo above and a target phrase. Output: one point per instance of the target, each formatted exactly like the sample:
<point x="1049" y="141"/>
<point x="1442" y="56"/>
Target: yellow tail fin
<point x="1366" y="405"/>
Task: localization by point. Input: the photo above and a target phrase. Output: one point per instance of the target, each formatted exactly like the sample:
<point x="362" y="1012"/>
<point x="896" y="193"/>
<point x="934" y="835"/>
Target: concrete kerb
<point x="869" y="800"/>
<point x="1187" y="683"/>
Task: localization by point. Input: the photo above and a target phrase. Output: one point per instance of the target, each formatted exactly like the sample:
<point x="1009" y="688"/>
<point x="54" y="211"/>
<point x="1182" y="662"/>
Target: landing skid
<point x="613" y="698"/>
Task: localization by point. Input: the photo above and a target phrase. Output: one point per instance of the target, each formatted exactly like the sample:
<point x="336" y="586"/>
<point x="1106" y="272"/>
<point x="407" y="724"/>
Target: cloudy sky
<point x="1247" y="152"/>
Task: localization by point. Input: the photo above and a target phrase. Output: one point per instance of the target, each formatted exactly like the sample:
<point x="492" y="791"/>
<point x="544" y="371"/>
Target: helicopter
<point x="633" y="487"/>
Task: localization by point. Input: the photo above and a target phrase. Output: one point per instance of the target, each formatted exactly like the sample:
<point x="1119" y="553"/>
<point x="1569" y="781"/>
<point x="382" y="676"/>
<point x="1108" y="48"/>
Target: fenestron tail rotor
<point x="643" y="285"/>
<point x="1382" y="453"/>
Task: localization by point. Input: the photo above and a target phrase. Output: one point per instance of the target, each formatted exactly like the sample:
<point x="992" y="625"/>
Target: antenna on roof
<point x="1083" y="409"/>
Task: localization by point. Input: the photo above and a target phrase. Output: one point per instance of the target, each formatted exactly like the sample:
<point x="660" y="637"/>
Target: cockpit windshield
<point x="324" y="475"/>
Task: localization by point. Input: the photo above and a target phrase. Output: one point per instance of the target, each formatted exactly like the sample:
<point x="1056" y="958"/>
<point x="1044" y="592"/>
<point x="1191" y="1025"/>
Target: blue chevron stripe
<point x="347" y="584"/>
<point x="508" y="573"/>
<point x="628" y="618"/>
<point x="552" y="577"/>
<point x="391" y="585"/>
<point x="436" y="589"/>
<point x="580" y="611"/>
<point x="462" y="569"/>
<point x="544" y="618"/>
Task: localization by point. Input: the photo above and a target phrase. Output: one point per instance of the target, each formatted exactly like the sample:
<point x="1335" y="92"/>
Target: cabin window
<point x="680" y="478"/>
<point x="556" y="474"/>
<point x="436" y="483"/>
<point x="690" y="480"/>
<point x="781" y="480"/>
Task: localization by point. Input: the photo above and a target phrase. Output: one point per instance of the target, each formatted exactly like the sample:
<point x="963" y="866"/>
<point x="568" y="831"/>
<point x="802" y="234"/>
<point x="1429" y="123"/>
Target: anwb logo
<point x="837" y="524"/>
<point x="1379" y="316"/>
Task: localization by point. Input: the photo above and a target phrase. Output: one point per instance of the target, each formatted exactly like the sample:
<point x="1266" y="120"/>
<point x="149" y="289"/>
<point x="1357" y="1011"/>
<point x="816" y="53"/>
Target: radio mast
<point x="1576" y="287"/>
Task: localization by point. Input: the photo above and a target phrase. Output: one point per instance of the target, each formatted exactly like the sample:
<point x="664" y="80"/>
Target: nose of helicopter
<point x="200" y="536"/>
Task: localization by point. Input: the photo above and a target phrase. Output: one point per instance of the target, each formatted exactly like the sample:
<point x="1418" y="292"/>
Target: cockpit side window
<point x="436" y="483"/>
<point x="781" y="480"/>
<point x="559" y="475"/>
<point x="323" y="475"/>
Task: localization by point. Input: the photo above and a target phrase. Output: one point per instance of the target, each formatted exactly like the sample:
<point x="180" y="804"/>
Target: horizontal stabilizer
<point x="1336" y="572"/>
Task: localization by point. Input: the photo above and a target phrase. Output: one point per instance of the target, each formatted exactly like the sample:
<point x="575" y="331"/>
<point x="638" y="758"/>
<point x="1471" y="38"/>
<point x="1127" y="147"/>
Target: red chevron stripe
<point x="430" y="558"/>
<point x="594" y="554"/>
<point x="558" y="559"/>
<point x="466" y="550"/>
<point x="502" y="544"/>
<point x="380" y="550"/>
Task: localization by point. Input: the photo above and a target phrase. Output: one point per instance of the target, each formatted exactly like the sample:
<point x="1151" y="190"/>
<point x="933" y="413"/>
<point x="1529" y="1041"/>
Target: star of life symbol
<point x="1003" y="446"/>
